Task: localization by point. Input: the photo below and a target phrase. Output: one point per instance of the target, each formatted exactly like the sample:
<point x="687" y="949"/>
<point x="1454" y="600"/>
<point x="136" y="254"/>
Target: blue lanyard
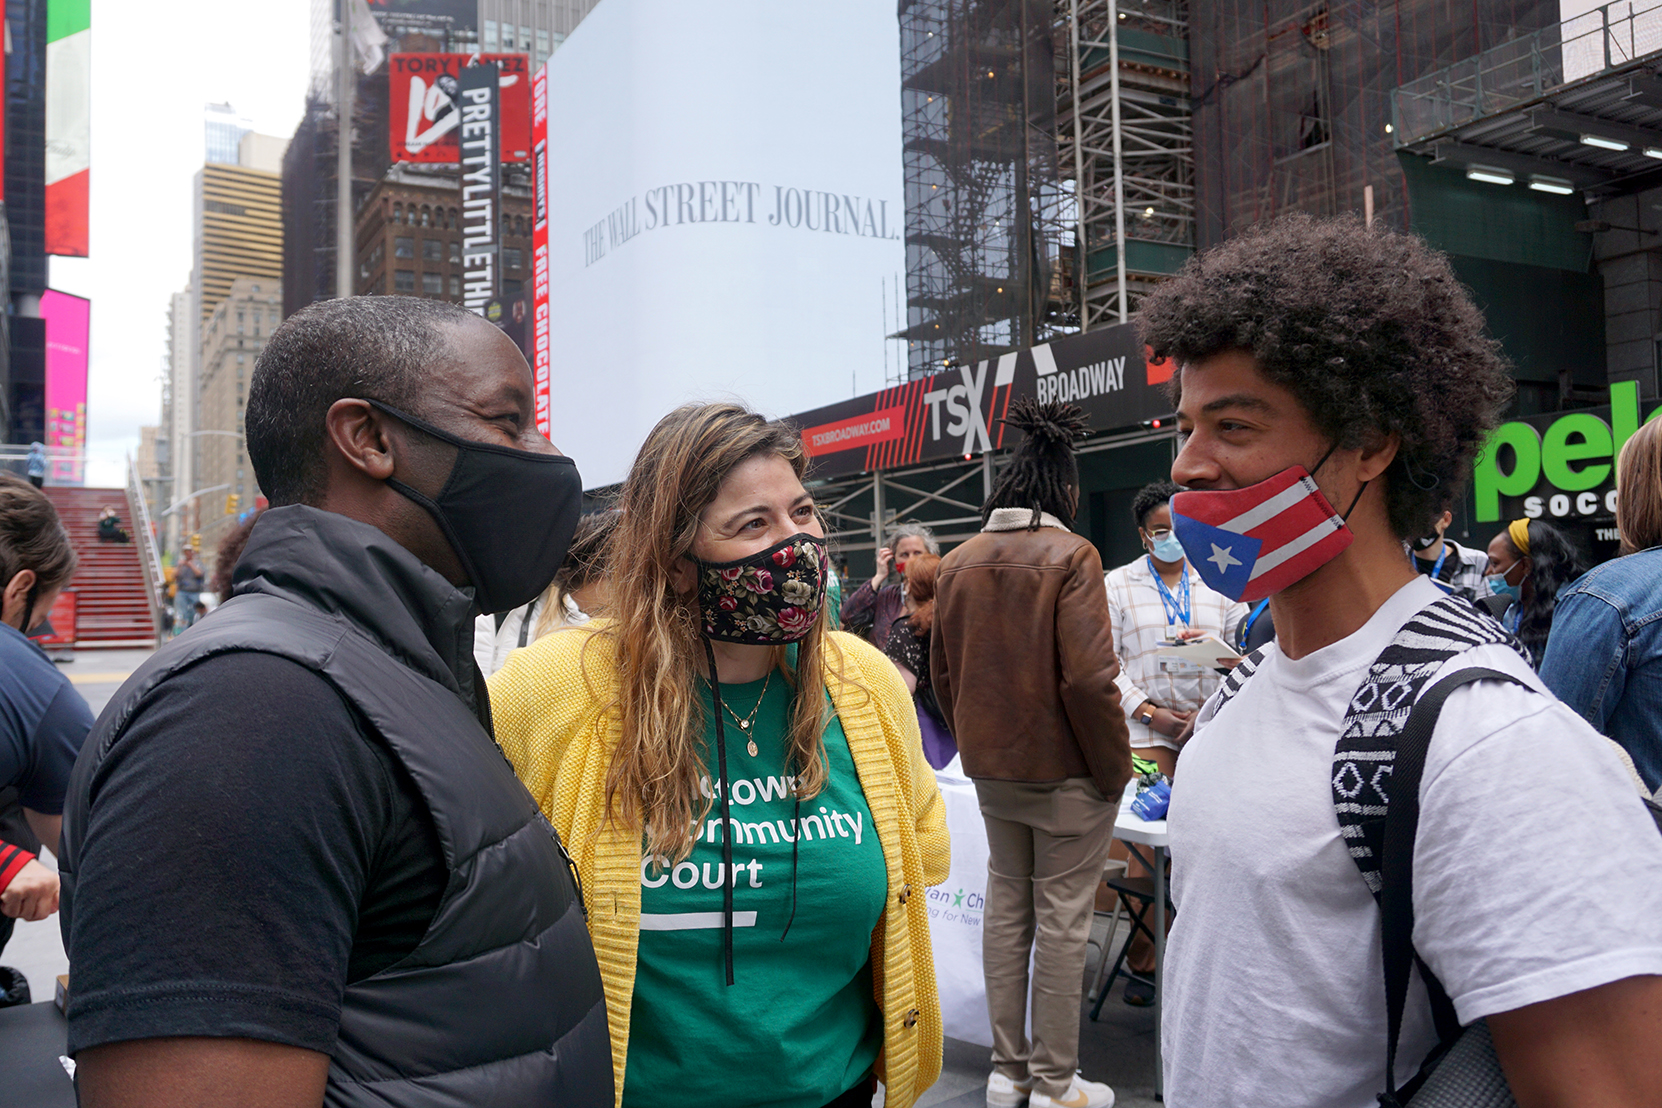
<point x="1246" y="628"/>
<point x="1436" y="570"/>
<point x="1176" y="609"/>
<point x="1517" y="617"/>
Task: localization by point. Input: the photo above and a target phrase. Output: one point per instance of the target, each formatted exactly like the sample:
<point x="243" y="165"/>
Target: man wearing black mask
<point x="296" y="867"/>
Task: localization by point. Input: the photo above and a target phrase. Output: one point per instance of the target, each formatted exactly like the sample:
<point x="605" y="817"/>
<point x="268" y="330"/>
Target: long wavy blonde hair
<point x="654" y="778"/>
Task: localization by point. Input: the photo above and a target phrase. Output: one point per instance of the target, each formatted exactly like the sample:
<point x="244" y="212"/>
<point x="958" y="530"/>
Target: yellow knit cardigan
<point x="554" y="706"/>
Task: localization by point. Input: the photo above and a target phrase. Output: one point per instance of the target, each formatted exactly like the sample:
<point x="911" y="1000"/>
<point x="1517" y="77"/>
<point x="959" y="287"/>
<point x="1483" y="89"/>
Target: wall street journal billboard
<point x="724" y="210"/>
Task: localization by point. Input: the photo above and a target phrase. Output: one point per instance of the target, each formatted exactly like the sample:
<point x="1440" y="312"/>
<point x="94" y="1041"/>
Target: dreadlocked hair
<point x="1042" y="475"/>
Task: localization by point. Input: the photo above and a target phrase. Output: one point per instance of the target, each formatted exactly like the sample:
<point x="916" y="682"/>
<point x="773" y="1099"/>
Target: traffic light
<point x="231" y="504"/>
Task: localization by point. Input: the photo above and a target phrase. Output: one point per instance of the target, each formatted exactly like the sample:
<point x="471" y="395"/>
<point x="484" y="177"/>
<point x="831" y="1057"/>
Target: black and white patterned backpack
<point x="1366" y="750"/>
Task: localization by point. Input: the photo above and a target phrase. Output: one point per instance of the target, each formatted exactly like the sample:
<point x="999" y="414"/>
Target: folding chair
<point x="1113" y="867"/>
<point x="1137" y="897"/>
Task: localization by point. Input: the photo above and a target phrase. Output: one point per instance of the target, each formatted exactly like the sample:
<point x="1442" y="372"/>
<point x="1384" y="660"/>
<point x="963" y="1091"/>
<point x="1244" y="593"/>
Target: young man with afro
<point x="1357" y="354"/>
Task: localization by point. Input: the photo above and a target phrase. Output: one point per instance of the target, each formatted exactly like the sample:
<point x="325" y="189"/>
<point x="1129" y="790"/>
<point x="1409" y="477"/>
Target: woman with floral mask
<point x="743" y="791"/>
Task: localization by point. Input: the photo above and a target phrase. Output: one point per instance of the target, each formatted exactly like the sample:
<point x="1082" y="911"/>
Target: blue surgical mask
<point x="1166" y="547"/>
<point x="1498" y="585"/>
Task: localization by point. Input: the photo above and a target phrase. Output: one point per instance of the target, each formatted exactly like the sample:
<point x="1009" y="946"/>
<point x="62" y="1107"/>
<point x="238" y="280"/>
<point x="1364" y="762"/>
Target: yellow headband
<point x="1518" y="532"/>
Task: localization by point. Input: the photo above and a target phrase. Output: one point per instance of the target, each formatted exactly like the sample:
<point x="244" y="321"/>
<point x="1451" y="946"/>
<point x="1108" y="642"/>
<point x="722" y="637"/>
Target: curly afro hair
<point x="1150" y="497"/>
<point x="1368" y="328"/>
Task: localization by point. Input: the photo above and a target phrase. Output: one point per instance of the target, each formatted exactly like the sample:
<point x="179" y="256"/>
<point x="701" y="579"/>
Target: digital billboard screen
<point x="68" y="324"/>
<point x="425" y="115"/>
<point x="716" y="230"/>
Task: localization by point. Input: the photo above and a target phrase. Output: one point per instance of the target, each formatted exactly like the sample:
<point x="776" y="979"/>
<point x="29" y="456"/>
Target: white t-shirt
<point x="1537" y="873"/>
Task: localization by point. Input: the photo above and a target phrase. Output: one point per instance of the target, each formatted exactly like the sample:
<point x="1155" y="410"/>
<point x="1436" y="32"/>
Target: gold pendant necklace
<point x="744" y="722"/>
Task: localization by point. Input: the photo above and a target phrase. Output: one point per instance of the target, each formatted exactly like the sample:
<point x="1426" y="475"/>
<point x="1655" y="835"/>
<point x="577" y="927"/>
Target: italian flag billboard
<point x="68" y="124"/>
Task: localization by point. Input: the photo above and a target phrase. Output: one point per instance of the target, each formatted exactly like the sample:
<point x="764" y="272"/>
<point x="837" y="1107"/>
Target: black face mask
<point x="1426" y="542"/>
<point x="509" y="515"/>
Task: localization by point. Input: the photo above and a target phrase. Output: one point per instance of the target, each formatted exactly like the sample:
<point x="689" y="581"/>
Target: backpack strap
<point x="1396" y="867"/>
<point x="1237" y="677"/>
<point x="1365" y="754"/>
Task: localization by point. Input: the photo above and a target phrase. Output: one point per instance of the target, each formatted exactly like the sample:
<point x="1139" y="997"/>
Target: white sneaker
<point x="1005" y="1093"/>
<point x="1080" y="1094"/>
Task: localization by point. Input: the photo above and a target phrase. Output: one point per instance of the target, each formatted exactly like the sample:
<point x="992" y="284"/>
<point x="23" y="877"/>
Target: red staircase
<point x="109" y="585"/>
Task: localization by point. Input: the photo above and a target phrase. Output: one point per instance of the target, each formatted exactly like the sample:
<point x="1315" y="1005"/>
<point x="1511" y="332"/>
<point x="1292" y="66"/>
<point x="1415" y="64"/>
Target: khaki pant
<point x="1046" y="844"/>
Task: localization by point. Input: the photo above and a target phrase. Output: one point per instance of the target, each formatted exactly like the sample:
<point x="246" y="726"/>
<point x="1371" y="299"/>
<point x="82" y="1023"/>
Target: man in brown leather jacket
<point x="1023" y="664"/>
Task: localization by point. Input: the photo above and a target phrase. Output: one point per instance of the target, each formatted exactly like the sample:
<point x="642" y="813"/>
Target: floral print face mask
<point x="768" y="598"/>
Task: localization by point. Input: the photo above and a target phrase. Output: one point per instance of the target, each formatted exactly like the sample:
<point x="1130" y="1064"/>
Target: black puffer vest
<point x="501" y="1003"/>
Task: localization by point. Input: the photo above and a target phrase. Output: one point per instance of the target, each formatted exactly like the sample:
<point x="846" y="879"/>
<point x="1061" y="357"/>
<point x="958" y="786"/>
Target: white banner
<point x="955" y="911"/>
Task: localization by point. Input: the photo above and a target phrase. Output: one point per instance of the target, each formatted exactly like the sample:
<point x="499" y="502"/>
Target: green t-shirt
<point x="798" y="1027"/>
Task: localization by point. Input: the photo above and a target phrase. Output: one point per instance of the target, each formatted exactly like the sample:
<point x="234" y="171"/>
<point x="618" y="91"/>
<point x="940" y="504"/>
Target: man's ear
<point x="1377" y="456"/>
<point x="358" y="432"/>
<point x="16" y="595"/>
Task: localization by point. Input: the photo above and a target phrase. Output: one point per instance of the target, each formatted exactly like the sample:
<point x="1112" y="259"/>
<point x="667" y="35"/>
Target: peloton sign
<point x="1557" y="467"/>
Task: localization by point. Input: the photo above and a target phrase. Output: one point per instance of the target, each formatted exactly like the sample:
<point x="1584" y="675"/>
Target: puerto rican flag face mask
<point x="1252" y="542"/>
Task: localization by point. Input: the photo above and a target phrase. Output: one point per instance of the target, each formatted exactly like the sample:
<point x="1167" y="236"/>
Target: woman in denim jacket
<point x="1604" y="657"/>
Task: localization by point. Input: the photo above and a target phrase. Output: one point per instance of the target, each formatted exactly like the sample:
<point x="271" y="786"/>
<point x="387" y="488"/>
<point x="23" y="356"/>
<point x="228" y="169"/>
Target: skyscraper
<point x="223" y="127"/>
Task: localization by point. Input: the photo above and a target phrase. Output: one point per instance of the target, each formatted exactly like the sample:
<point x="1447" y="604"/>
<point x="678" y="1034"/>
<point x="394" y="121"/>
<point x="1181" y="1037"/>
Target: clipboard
<point x="1205" y="652"/>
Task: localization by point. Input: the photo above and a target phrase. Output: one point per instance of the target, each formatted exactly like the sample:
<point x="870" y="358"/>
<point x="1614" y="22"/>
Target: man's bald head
<point x="368" y="347"/>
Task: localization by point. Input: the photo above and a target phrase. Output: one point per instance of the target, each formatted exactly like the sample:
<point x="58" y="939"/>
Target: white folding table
<point x="1151" y="833"/>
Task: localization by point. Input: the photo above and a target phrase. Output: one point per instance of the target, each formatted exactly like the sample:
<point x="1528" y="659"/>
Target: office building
<point x="410" y="239"/>
<point x="22" y="331"/>
<point x="232" y="338"/>
<point x="223" y="127"/>
<point x="533" y="27"/>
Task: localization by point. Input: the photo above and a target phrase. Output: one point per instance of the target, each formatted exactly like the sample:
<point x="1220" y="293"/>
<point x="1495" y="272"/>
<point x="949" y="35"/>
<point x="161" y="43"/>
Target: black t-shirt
<point x="251" y="848"/>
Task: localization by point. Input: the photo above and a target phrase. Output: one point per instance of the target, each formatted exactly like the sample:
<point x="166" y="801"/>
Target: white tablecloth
<point x="955" y="909"/>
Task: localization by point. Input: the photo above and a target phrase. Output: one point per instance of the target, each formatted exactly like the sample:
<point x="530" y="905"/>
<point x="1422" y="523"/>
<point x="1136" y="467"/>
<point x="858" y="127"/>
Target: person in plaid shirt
<point x="1152" y="601"/>
<point x="1456" y="569"/>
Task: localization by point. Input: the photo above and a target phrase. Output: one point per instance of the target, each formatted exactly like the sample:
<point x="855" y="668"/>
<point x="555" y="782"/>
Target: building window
<point x="525" y="38"/>
<point x="542" y="47"/>
<point x="398" y="213"/>
<point x="489" y="40"/>
<point x="426" y="216"/>
<point x="510" y="289"/>
<point x="511" y="257"/>
<point x="432" y="284"/>
<point x="403" y="247"/>
<point x="507" y="226"/>
<point x="455" y="285"/>
<point x="455" y="251"/>
<point x="403" y="280"/>
<point x="432" y="250"/>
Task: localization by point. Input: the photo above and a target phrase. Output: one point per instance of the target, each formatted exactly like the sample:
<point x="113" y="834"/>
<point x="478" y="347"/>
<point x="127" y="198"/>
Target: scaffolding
<point x="1292" y="99"/>
<point x="989" y="227"/>
<point x="1125" y="135"/>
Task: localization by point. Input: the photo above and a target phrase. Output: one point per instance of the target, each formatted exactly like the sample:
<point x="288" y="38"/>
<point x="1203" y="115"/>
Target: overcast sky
<point x="154" y="66"/>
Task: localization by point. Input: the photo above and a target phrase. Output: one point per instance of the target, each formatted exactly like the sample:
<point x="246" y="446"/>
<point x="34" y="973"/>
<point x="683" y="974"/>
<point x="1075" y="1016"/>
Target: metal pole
<point x="987" y="476"/>
<point x="876" y="510"/>
<point x="1119" y="169"/>
<point x="1078" y="169"/>
<point x="343" y="153"/>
